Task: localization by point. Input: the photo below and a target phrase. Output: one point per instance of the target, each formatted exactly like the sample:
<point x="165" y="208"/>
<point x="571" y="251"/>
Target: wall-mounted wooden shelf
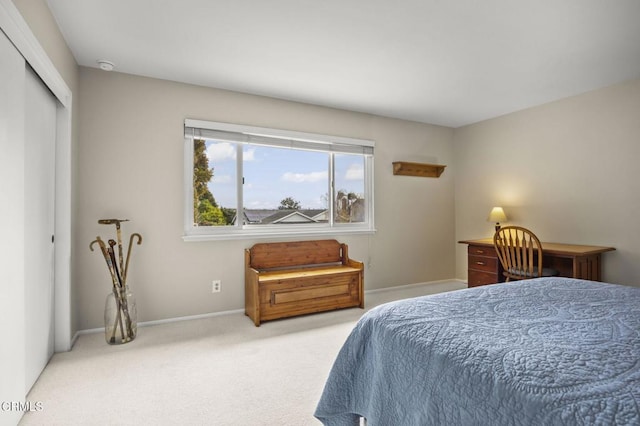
<point x="405" y="168"/>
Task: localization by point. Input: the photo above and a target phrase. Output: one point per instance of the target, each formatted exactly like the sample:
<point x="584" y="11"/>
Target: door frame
<point x="17" y="30"/>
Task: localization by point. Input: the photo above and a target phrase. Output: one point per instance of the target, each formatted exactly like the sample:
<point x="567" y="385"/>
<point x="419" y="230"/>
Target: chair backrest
<point x="519" y="251"/>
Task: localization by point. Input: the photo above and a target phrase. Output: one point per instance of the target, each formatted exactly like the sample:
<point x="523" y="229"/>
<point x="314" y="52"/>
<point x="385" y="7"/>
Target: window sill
<point x="253" y="235"/>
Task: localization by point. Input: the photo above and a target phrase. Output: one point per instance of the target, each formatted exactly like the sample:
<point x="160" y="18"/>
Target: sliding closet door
<point x="39" y="172"/>
<point x="12" y="262"/>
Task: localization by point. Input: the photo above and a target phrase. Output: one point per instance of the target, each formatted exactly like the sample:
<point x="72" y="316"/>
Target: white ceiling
<point x="447" y="62"/>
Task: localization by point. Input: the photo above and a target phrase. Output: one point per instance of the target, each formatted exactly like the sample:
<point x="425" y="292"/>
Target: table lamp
<point x="497" y="215"/>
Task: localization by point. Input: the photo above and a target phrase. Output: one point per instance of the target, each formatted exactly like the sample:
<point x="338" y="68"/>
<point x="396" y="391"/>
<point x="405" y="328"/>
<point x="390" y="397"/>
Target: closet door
<point x="12" y="254"/>
<point x="39" y="173"/>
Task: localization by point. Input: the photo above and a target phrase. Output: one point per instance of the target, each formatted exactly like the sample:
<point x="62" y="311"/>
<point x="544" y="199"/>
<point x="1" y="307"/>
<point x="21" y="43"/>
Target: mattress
<point x="543" y="351"/>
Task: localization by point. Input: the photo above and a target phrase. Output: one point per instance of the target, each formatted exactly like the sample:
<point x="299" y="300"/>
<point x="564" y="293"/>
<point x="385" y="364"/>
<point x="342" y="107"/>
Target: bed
<point x="545" y="351"/>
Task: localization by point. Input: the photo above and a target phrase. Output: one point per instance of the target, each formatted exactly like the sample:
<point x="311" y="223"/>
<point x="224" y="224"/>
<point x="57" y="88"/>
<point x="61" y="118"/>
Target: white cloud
<point x="355" y="172"/>
<point x="221" y="179"/>
<point x="221" y="151"/>
<point x="248" y="154"/>
<point x="304" y="177"/>
<point x="316" y="203"/>
<point x="260" y="204"/>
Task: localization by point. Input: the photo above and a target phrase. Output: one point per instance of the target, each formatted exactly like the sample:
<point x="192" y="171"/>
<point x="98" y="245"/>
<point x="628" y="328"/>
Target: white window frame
<point x="241" y="134"/>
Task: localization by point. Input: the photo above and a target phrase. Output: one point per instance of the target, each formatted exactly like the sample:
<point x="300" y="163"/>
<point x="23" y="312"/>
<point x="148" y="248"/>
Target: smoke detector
<point x="105" y="65"/>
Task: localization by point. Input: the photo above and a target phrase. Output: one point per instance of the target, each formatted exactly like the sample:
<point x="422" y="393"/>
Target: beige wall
<point x="37" y="15"/>
<point x="565" y="169"/>
<point x="131" y="166"/>
<point x="568" y="170"/>
<point x="43" y="25"/>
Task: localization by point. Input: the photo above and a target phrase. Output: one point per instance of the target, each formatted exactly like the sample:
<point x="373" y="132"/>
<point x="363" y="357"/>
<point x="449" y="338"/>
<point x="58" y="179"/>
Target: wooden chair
<point x="520" y="253"/>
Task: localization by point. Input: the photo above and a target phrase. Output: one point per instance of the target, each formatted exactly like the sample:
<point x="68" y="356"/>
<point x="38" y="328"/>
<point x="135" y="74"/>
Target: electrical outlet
<point x="215" y="286"/>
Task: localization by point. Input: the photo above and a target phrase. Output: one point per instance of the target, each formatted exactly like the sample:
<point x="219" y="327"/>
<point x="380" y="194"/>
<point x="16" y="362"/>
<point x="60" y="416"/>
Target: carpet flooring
<point x="220" y="370"/>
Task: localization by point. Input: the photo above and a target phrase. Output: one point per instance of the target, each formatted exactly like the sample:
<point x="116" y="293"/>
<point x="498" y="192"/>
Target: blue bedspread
<point x="547" y="351"/>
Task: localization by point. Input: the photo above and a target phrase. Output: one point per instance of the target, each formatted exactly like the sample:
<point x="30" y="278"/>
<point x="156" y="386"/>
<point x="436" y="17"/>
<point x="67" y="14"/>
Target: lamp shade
<point x="497" y="215"/>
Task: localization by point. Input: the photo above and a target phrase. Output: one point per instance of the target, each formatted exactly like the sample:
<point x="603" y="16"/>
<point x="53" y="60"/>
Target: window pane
<point x="214" y="183"/>
<point x="285" y="186"/>
<point x="259" y="182"/>
<point x="350" y="202"/>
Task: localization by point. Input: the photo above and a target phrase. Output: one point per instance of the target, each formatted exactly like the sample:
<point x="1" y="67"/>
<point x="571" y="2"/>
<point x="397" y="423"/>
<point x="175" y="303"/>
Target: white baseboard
<point x="163" y="321"/>
<point x="240" y="311"/>
<point x="191" y="317"/>
<point x="414" y="285"/>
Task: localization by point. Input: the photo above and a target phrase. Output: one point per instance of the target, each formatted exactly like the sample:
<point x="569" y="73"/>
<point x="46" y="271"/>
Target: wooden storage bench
<point x="301" y="277"/>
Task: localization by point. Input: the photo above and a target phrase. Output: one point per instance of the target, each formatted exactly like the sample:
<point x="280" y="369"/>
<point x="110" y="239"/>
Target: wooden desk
<point x="570" y="260"/>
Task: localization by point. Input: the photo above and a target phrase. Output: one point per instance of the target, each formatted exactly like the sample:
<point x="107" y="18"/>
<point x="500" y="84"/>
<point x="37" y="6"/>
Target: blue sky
<point x="272" y="174"/>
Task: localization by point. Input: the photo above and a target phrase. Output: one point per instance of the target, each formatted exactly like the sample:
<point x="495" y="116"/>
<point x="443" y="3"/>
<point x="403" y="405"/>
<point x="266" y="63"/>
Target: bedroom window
<point x="243" y="181"/>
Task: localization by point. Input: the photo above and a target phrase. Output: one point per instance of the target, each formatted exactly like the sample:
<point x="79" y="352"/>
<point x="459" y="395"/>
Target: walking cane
<point x="116" y="287"/>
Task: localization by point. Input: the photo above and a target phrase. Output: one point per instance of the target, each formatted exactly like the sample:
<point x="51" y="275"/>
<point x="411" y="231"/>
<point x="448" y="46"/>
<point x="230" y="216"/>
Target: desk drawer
<point x="483" y="266"/>
<point x="481" y="263"/>
<point x="482" y="251"/>
<point x="478" y="278"/>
